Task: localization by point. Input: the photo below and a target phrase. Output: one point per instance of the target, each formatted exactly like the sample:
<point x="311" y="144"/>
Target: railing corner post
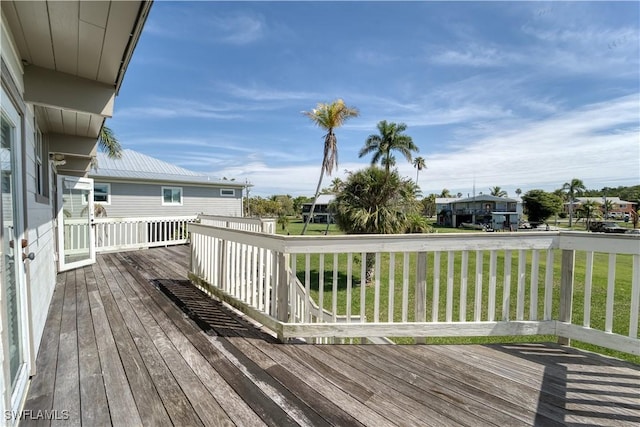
<point x="566" y="291"/>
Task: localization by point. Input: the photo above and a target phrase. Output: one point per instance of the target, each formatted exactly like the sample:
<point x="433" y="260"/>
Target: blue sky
<point x="511" y="94"/>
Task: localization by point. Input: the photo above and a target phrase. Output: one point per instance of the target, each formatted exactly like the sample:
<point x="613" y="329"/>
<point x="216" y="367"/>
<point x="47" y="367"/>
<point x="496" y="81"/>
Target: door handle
<point x="31" y="256"/>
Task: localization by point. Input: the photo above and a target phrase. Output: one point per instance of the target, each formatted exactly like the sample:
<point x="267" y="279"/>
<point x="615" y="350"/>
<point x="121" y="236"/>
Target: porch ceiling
<point x="85" y="47"/>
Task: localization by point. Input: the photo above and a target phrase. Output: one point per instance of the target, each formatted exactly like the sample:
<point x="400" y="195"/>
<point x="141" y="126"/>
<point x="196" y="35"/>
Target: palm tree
<point x="328" y="117"/>
<point x="573" y="189"/>
<point x="498" y="192"/>
<point x="518" y="192"/>
<point x="445" y="193"/>
<point x="391" y="138"/>
<point x="419" y="163"/>
<point x="588" y="208"/>
<point x="336" y="185"/>
<point x="374" y="202"/>
<point x="108" y="143"/>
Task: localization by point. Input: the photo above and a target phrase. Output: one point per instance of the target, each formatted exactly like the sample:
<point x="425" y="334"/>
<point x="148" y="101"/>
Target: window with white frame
<point x="102" y="193"/>
<point x="41" y="169"/>
<point x="171" y="196"/>
<point x="227" y="192"/>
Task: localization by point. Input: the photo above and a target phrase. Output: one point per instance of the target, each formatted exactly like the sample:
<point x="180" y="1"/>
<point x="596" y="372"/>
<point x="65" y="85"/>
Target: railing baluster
<point x="307" y="287"/>
<point x="392" y="291"/>
<point x="506" y="289"/>
<point x="635" y="297"/>
<point x="376" y="292"/>
<point x="535" y="267"/>
<point x="321" y="283"/>
<point x="548" y="286"/>
<point x="363" y="287"/>
<point x="405" y="286"/>
<point x="477" y="312"/>
<point x="588" y="285"/>
<point x="493" y="279"/>
<point x="421" y="291"/>
<point x="334" y="297"/>
<point x="464" y="279"/>
<point x="611" y="286"/>
<point x="349" y="286"/>
<point x="450" y="278"/>
<point x="522" y="265"/>
<point x="436" y="287"/>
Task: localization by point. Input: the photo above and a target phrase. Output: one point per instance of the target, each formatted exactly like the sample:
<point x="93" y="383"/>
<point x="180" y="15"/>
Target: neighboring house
<point x="62" y="65"/>
<point x="320" y="211"/>
<point x="137" y="185"/>
<point x="501" y="213"/>
<point x="620" y="208"/>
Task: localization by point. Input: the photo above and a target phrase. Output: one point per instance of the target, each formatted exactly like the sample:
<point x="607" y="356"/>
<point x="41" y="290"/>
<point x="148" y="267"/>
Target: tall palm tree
<point x="573" y="189"/>
<point x="391" y="138"/>
<point x="445" y="193"/>
<point x="518" y="192"/>
<point x="328" y="117"/>
<point x="108" y="143"/>
<point x="419" y="163"/>
<point x="498" y="192"/>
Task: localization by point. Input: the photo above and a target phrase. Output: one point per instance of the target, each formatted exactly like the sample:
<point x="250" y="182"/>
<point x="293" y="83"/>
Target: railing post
<point x="566" y="290"/>
<point x="282" y="290"/>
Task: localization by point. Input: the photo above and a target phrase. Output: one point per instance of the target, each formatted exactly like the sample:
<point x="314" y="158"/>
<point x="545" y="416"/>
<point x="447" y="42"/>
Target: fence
<point x="427" y="285"/>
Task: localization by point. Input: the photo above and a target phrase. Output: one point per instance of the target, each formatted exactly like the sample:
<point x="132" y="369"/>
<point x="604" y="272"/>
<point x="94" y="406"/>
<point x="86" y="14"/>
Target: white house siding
<point x="41" y="272"/>
<point x="138" y="199"/>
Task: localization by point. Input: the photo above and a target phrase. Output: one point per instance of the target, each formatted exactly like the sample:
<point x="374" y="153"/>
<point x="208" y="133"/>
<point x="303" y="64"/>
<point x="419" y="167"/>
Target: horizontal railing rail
<point x="419" y="286"/>
<point x="264" y="225"/>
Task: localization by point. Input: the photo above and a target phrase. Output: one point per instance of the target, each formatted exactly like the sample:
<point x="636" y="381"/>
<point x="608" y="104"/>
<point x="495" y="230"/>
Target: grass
<point x="622" y="296"/>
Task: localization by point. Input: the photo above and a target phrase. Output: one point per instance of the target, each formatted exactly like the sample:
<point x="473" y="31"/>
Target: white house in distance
<point x="501" y="213"/>
<point x="137" y="185"/>
<point x="62" y="65"/>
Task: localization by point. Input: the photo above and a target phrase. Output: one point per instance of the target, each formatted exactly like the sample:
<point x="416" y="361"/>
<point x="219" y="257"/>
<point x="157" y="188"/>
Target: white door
<point x="76" y="246"/>
<point x="13" y="304"/>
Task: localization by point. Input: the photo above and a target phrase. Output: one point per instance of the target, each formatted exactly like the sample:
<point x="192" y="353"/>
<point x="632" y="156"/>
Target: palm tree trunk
<point x="315" y="199"/>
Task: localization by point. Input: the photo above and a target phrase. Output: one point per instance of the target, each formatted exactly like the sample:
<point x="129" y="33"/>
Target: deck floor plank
<point x="198" y="400"/>
<point x="67" y="390"/>
<point x="120" y="396"/>
<point x="151" y="349"/>
<point x="168" y="317"/>
<point x="41" y="391"/>
<point x="93" y="396"/>
<point x="173" y="398"/>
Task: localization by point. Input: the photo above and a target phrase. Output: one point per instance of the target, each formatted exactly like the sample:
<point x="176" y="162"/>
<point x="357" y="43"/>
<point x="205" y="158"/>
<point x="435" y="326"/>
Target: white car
<point x="633" y="231"/>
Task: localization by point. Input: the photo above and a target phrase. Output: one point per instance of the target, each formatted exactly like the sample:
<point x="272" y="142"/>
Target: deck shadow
<point x="582" y="385"/>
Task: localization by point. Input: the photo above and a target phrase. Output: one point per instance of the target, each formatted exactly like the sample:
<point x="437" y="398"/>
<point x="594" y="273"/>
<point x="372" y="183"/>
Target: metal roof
<point x="140" y="167"/>
<point x="323" y="199"/>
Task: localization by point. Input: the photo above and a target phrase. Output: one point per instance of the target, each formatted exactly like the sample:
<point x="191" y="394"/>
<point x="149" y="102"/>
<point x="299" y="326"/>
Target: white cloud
<point x="598" y="144"/>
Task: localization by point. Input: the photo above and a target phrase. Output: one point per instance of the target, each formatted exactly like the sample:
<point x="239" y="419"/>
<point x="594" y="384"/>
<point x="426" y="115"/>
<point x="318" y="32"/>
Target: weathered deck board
<point x="150" y="349"/>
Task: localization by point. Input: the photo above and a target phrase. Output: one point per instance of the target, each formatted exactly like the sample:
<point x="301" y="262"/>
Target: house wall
<point x="137" y="199"/>
<point x="39" y="228"/>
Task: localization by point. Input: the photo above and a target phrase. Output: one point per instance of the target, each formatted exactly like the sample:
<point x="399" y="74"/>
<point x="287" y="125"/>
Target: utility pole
<point x="246" y="187"/>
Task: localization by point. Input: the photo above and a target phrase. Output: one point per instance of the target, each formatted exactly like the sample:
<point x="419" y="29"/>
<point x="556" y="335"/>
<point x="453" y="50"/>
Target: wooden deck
<point x="118" y="349"/>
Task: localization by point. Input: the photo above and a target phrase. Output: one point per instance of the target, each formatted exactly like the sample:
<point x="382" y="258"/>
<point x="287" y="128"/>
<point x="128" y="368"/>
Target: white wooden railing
<point x="433" y="285"/>
<point x="264" y="225"/>
<point x="116" y="234"/>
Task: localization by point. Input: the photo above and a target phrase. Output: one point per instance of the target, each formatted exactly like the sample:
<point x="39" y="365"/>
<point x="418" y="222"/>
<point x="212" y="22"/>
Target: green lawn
<point x="622" y="297"/>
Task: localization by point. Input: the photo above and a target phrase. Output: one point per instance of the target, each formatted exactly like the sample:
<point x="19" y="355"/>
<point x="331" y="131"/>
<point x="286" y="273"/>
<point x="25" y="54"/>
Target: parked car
<point x="633" y="231"/>
<point x="606" y="227"/>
